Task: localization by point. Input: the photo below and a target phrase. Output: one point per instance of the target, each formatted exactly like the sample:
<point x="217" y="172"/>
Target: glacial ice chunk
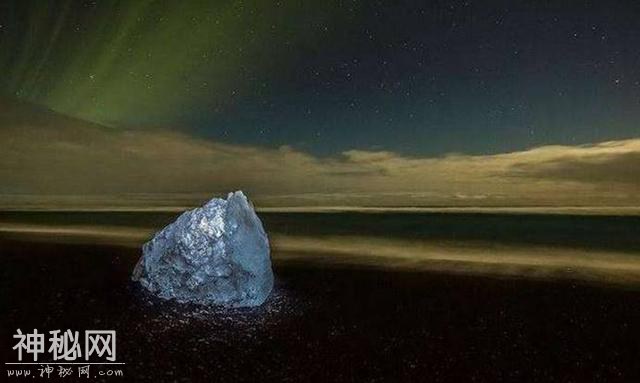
<point x="215" y="254"/>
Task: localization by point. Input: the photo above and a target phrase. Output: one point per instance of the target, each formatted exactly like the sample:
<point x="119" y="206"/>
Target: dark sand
<point x="329" y="323"/>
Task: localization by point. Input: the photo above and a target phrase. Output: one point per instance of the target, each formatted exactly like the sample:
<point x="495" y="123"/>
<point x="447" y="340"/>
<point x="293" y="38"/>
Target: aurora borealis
<point x="341" y="102"/>
<point x="122" y="63"/>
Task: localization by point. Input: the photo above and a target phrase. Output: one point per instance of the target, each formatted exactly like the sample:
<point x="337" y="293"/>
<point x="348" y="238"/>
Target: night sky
<point x="412" y="77"/>
<point x="418" y="79"/>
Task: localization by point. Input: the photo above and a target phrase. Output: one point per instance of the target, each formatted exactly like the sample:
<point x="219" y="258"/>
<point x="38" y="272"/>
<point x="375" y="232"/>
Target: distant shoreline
<point x="561" y="210"/>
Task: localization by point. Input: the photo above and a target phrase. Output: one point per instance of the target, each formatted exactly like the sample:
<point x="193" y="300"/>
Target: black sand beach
<point x="330" y="322"/>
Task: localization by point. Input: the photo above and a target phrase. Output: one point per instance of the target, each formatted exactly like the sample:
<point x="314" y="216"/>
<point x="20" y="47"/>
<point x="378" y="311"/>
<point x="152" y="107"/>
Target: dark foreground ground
<point x="328" y="323"/>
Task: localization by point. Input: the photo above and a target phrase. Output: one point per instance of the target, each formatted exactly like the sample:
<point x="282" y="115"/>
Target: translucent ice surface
<point x="215" y="254"/>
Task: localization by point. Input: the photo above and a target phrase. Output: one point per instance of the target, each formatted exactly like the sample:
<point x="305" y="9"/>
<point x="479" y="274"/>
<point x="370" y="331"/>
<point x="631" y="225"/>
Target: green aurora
<point x="116" y="61"/>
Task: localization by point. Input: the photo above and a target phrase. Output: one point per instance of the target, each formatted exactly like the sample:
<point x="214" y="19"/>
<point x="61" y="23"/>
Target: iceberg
<point x="215" y="254"/>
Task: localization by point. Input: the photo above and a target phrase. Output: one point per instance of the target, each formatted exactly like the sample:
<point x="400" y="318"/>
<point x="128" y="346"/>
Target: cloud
<point x="611" y="168"/>
<point x="60" y="156"/>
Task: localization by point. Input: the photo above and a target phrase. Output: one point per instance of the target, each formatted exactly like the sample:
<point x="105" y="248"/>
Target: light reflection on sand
<point x="85" y="234"/>
<point x="472" y="257"/>
<point x="469" y="257"/>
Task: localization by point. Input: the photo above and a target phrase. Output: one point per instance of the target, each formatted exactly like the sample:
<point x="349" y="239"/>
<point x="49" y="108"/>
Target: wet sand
<point x="327" y="322"/>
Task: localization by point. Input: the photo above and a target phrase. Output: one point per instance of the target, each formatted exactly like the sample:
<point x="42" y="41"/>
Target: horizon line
<point x="626" y="210"/>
